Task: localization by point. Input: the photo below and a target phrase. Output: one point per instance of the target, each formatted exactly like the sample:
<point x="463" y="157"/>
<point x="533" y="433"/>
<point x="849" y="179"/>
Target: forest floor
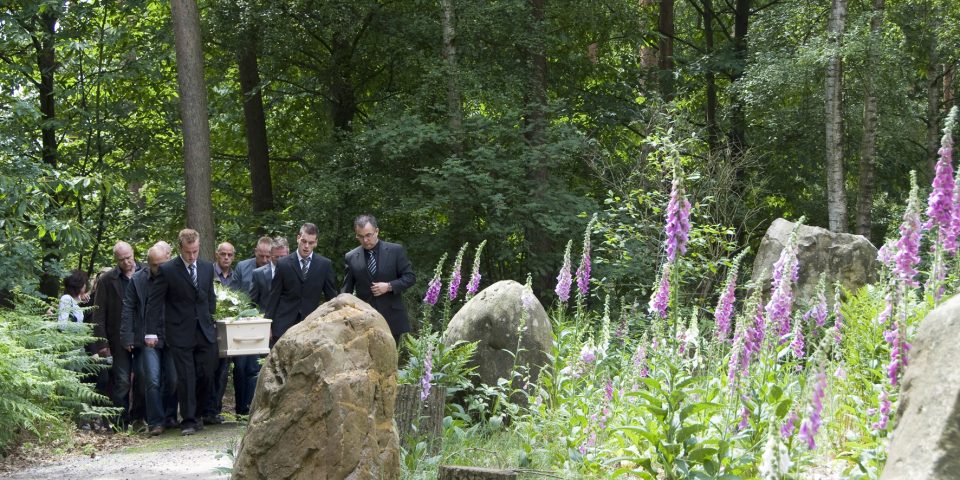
<point x="117" y="456"/>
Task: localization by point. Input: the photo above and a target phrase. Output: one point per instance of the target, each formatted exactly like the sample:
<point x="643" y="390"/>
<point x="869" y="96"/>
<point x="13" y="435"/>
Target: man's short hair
<point x="309" y="229"/>
<point x="362" y="220"/>
<point x="223" y="245"/>
<point x="120" y="244"/>
<point x="280" y="242"/>
<point x="187" y="236"/>
<point x="163" y="248"/>
<point x="265" y="240"/>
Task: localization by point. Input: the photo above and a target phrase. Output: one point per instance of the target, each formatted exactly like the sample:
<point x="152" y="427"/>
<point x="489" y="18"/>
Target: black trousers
<point x="195" y="376"/>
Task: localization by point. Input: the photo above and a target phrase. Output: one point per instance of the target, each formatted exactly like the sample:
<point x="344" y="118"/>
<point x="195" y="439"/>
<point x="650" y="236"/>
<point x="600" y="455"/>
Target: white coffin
<point x="243" y="336"/>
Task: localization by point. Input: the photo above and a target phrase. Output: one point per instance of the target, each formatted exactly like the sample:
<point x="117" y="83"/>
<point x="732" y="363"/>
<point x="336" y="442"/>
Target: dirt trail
<point x="167" y="456"/>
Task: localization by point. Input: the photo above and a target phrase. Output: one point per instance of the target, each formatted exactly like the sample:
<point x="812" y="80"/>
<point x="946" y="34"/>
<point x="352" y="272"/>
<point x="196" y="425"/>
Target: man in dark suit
<point x="108" y="316"/>
<point x="180" y="312"/>
<point x="379" y="272"/>
<point x="262" y="277"/>
<point x="298" y="284"/>
<point x="243" y="272"/>
<point x="154" y="366"/>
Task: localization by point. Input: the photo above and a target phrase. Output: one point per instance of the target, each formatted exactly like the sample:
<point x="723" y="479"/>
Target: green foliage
<point x="450" y="364"/>
<point x="42" y="368"/>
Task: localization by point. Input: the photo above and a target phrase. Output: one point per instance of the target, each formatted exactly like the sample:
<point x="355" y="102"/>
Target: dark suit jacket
<point x="134" y="316"/>
<point x="260" y="281"/>
<point x="175" y="309"/>
<point x="242" y="274"/>
<point x="293" y="297"/>
<point x="392" y="267"/>
<point x="109" y="311"/>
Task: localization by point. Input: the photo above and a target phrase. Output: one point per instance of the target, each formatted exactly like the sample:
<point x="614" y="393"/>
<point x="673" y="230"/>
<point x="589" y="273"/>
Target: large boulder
<point x="325" y="400"/>
<point x="926" y="438"/>
<point x="493" y="319"/>
<point x="850" y="259"/>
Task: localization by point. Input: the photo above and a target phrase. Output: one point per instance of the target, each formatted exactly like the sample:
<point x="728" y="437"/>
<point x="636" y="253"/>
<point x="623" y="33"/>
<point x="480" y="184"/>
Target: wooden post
<point x="420" y="420"/>
<point x="451" y="472"/>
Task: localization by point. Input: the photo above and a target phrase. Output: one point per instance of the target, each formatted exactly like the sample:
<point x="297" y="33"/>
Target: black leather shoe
<point x="155" y="431"/>
<point x="188" y="431"/>
<point x="213" y="420"/>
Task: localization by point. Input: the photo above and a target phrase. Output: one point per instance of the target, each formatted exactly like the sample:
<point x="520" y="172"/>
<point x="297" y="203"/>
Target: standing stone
<point x="844" y="257"/>
<point x="325" y="400"/>
<point x="926" y="438"/>
<point x="493" y="318"/>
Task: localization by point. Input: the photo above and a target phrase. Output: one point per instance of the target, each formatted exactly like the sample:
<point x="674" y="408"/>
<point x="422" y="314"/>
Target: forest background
<point x="510" y="121"/>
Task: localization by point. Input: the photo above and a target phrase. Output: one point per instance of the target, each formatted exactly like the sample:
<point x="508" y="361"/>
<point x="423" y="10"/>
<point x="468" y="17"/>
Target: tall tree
<point x="454" y="102"/>
<point x="255" y="125"/>
<point x="833" y="94"/>
<point x="42" y="28"/>
<point x="738" y="121"/>
<point x="868" y="148"/>
<point x="196" y="124"/>
<point x="665" y="26"/>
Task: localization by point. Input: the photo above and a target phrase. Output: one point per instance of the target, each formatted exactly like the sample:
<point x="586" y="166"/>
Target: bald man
<point x="107" y="316"/>
<point x="154" y="370"/>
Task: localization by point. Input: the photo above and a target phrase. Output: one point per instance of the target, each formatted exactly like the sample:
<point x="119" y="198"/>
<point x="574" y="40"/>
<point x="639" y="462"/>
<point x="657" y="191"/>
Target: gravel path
<point x="166" y="456"/>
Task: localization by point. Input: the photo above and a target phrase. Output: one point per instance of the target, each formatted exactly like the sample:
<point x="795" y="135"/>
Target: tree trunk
<point x="454" y="104"/>
<point x="535" y="129"/>
<point x="44" y="42"/>
<point x="665" y="54"/>
<point x="738" y="121"/>
<point x="868" y="151"/>
<point x="343" y="100"/>
<point x="933" y="110"/>
<point x="196" y="124"/>
<point x="258" y="153"/>
<point x="713" y="131"/>
<point x="836" y="191"/>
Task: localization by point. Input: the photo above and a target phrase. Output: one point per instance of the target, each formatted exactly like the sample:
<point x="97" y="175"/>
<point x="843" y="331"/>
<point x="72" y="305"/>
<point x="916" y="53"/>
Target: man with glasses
<point x="379" y="273"/>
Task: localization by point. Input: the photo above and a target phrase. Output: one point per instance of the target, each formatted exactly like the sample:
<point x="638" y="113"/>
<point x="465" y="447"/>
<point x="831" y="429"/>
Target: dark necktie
<point x="371" y="262"/>
<point x="305" y="263"/>
<point x="193" y="276"/>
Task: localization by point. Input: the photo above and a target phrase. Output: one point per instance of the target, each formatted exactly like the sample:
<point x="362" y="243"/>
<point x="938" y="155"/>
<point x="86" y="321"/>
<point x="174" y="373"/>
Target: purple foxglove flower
<point x="819" y="310"/>
<point x="640" y="358"/>
<point x="678" y="220"/>
<point x="887" y="253"/>
<point x="797" y="344"/>
<point x="811" y="425"/>
<point x="897" y="354"/>
<point x="883" y="411"/>
<point x="455" y="277"/>
<point x="786" y="431"/>
<point x="755" y="334"/>
<point x="908" y="247"/>
<point x="583" y="271"/>
<point x="588" y="353"/>
<point x="583" y="274"/>
<point x="940" y="211"/>
<point x="744" y="419"/>
<point x="433" y="292"/>
<point x="724" y="310"/>
<point x="940" y="201"/>
<point x="427" y="375"/>
<point x="785" y="273"/>
<point x="608" y="391"/>
<point x="564" y="279"/>
<point x="661" y="297"/>
<point x="474" y="285"/>
<point x="433" y="288"/>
